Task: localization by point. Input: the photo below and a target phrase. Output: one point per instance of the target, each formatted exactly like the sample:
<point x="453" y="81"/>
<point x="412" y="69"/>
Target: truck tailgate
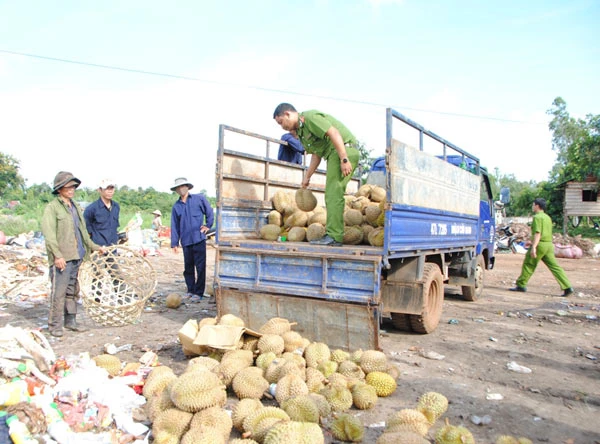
<point x="334" y="297"/>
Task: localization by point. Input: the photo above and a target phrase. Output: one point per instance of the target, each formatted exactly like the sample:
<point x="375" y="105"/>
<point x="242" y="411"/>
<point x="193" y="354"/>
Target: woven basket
<point x="116" y="286"/>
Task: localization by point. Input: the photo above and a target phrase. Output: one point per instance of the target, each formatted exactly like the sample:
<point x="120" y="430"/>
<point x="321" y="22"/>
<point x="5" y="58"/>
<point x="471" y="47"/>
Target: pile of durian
<point x="297" y="217"/>
<point x="289" y="390"/>
<point x="304" y="385"/>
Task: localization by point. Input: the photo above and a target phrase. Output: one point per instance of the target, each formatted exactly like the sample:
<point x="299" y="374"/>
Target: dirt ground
<point x="557" y="338"/>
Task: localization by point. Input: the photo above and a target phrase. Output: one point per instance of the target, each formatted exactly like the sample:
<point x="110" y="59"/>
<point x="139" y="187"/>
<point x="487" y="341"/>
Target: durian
<point x="173" y="300"/>
<point x="270" y="232"/>
<point x="297" y="234"/>
<point x="230" y="319"/>
<point x="353" y="235"/>
<point x="157" y="403"/>
<point x="506" y="439"/>
<point x="213" y="417"/>
<point x="204" y="435"/>
<point x="316" y="352"/>
<point x="276" y="326"/>
<point x="433" y="405"/>
<point x="191" y="393"/>
<point x="302" y="408"/>
<point x="407" y="420"/>
<point x="264" y="360"/>
<point x="292" y="340"/>
<point x="297" y="219"/>
<point x="347" y="428"/>
<point x="384" y="384"/>
<point x="229" y="368"/>
<point x="289" y="386"/>
<point x="353" y="217"/>
<point x="378" y="194"/>
<point x="110" y="363"/>
<point x="321" y="403"/>
<point x="250" y="383"/>
<point x="257" y="424"/>
<point x="242" y="409"/>
<point x="373" y="361"/>
<point x="288" y="432"/>
<point x="171" y="422"/>
<point x="339" y="355"/>
<point x="376" y="237"/>
<point x="327" y="368"/>
<point x="156" y="381"/>
<point x="450" y="434"/>
<point x="315" y="380"/>
<point x="281" y="200"/>
<point x="271" y="343"/>
<point x="401" y="438"/>
<point x="351" y="369"/>
<point x="305" y="199"/>
<point x="364" y="396"/>
<point x="338" y="396"/>
<point x="274" y="218"/>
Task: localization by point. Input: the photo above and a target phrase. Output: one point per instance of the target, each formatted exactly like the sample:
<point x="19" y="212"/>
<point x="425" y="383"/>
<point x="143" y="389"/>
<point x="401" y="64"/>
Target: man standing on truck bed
<point x="542" y="249"/>
<point x="293" y="151"/>
<point x="325" y="138"/>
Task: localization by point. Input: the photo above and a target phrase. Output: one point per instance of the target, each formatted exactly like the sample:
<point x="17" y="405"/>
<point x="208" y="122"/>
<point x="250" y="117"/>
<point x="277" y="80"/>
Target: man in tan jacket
<point x="67" y="244"/>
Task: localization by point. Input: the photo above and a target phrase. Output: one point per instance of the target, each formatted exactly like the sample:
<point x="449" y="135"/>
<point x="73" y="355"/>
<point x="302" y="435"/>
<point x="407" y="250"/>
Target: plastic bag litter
<point x="514" y="367"/>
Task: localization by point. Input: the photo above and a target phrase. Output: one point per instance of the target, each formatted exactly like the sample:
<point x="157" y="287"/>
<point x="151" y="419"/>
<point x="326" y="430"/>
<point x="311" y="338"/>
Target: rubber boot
<point x="57" y="332"/>
<point x="71" y="324"/>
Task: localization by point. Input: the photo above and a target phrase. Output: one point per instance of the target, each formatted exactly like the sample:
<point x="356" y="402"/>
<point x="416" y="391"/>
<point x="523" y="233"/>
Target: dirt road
<point x="557" y="339"/>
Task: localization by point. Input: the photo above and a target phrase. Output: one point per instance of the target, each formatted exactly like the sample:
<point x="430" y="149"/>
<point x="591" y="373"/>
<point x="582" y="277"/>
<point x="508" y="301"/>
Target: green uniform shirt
<point x="542" y="224"/>
<point x="312" y="133"/>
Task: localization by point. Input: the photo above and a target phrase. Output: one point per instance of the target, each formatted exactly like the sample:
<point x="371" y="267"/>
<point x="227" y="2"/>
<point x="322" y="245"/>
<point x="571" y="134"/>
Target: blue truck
<point x="439" y="230"/>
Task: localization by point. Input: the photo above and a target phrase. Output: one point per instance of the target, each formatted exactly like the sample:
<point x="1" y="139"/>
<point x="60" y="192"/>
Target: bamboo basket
<point x="116" y="286"/>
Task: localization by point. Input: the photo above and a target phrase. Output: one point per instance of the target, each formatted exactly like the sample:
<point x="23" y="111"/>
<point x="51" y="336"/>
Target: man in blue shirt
<point x="292" y="152"/>
<point x="191" y="218"/>
<point x="102" y="216"/>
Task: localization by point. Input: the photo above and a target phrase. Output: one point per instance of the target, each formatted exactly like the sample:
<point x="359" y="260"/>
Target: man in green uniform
<point x="542" y="249"/>
<point x="324" y="137"/>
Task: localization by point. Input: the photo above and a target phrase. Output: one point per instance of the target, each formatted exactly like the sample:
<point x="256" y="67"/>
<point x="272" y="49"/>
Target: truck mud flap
<point x="338" y="324"/>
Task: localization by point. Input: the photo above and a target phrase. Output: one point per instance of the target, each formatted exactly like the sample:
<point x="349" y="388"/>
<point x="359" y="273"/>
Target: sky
<point x="480" y="74"/>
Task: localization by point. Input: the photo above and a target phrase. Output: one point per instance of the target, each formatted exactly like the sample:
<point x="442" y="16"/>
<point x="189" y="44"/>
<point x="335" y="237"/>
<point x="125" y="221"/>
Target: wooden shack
<point x="580" y="200"/>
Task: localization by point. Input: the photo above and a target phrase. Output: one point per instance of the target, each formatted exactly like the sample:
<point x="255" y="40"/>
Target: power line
<point x="261" y="88"/>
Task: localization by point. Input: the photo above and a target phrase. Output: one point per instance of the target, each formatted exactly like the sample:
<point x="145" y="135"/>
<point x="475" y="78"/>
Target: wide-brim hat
<point x="181" y="181"/>
<point x="63" y="179"/>
<point x="157" y="212"/>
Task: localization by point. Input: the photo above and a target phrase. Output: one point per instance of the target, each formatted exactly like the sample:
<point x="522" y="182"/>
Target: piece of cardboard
<point x="187" y="334"/>
<point x="225" y="337"/>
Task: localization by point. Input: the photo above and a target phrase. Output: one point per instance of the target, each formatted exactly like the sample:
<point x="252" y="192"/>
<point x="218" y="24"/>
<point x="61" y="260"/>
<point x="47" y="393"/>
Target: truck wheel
<point x="474" y="292"/>
<point x="401" y="321"/>
<point x="433" y="298"/>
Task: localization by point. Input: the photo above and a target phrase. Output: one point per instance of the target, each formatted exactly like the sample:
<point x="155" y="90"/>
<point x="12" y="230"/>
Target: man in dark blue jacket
<point x="191" y="218"/>
<point x="102" y="216"/>
<point x="292" y="152"/>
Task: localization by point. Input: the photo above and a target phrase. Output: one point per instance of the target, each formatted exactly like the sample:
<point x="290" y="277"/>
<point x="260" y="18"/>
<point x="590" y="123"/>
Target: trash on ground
<point x="514" y="367"/>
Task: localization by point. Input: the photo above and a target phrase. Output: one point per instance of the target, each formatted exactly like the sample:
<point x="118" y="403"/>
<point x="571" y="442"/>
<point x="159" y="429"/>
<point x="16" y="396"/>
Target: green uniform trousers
<point x="335" y="188"/>
<point x="545" y="253"/>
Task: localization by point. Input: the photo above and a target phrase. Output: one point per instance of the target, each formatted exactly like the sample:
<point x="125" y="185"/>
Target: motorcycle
<point x="505" y="240"/>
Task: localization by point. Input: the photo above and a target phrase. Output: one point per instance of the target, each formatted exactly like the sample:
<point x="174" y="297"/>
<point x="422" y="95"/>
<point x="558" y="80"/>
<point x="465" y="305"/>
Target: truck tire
<point x="433" y="299"/>
<point x="474" y="292"/>
<point x="401" y="321"/>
